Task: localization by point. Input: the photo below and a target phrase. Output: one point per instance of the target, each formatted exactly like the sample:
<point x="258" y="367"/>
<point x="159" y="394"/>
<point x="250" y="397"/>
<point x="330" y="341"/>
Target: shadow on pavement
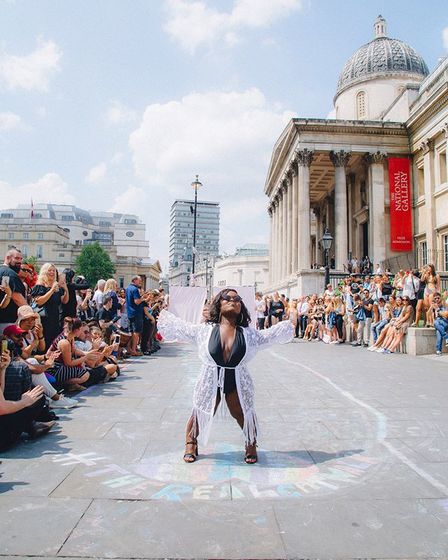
<point x="283" y="459"/>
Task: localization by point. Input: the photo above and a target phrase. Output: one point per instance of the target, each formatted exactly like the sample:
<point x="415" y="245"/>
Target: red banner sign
<point x="400" y="204"/>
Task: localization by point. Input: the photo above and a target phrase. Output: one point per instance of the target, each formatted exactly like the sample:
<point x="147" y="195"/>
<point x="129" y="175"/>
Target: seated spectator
<point x="384" y="316"/>
<point x="99" y="357"/>
<point x="20" y="414"/>
<point x="70" y="366"/>
<point x="29" y="339"/>
<point x="106" y="318"/>
<point x="48" y="294"/>
<point x="398" y="328"/>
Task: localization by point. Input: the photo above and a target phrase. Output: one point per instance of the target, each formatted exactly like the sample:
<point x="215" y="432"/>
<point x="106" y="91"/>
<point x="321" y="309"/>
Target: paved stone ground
<point x="353" y="464"/>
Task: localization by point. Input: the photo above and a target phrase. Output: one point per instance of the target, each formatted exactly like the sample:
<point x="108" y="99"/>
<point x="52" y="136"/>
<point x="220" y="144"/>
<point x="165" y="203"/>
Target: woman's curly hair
<point x="243" y="319"/>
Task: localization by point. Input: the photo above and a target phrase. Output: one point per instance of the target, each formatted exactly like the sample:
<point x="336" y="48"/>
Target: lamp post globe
<point x="326" y="241"/>
<point x="195" y="184"/>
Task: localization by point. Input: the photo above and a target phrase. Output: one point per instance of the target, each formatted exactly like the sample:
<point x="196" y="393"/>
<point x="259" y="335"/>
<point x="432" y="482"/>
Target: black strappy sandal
<point x="251" y="459"/>
<point x="191" y="457"/>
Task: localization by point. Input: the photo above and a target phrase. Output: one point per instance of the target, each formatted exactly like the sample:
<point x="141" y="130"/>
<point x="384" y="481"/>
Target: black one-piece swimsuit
<point x="236" y="355"/>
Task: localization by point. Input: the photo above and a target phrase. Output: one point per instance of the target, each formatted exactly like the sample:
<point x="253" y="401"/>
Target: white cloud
<point x="41" y="112"/>
<point x="32" y="71"/>
<point x="194" y="23"/>
<point x="49" y="188"/>
<point x="226" y="137"/>
<point x="10" y="121"/>
<point x="445" y="37"/>
<point x="118" y="113"/>
<point x="97" y="173"/>
<point x="130" y="201"/>
<point x="117" y="158"/>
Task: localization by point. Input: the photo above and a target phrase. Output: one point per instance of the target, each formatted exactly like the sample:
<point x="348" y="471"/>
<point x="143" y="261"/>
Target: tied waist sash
<point x="221" y="376"/>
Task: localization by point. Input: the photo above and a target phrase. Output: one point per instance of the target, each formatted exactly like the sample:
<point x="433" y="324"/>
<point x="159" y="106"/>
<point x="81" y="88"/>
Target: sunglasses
<point x="23" y="269"/>
<point x="237" y="299"/>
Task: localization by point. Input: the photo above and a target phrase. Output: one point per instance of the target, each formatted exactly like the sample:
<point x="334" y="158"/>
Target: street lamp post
<point x="326" y="241"/>
<point x="195" y="184"/>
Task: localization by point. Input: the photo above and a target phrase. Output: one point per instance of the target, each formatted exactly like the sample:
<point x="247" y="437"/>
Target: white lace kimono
<point x="173" y="328"/>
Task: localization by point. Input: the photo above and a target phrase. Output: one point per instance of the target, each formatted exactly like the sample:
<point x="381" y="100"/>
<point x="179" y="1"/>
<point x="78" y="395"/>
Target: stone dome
<point x="382" y="57"/>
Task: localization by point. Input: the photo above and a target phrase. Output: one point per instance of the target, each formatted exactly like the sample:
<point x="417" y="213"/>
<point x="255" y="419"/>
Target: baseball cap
<point x="13" y="330"/>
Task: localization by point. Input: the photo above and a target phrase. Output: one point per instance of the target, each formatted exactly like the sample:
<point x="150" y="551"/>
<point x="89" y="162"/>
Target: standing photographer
<point x="12" y="286"/>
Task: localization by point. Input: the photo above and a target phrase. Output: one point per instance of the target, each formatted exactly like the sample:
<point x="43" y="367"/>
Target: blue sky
<point x="116" y="105"/>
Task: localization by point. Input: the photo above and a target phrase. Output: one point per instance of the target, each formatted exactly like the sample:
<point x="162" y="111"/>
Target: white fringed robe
<point x="173" y="328"/>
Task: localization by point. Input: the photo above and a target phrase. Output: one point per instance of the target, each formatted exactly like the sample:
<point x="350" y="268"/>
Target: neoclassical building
<point x="349" y="174"/>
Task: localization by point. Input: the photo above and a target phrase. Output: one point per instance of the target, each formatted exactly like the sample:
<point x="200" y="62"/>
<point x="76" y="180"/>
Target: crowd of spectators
<point x="60" y="336"/>
<point x="368" y="310"/>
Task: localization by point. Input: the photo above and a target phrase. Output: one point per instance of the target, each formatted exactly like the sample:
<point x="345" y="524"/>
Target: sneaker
<point x="63" y="402"/>
<point x="356" y="344"/>
<point x="379" y="350"/>
<point x="371" y="348"/>
<point x="438" y="353"/>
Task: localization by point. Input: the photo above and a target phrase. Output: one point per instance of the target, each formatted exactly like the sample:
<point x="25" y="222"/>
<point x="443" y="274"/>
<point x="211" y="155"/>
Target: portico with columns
<point x="329" y="174"/>
<point x="333" y="173"/>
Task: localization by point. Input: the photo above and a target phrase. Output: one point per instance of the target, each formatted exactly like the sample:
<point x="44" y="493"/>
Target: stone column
<point x="285" y="229"/>
<point x="319" y="233"/>
<point x="304" y="159"/>
<point x="289" y="230"/>
<point x="271" y="242"/>
<point x="377" y="226"/>
<point x="275" y="245"/>
<point x="294" y="220"/>
<point x="428" y="169"/>
<point x="280" y="236"/>
<point x="340" y="161"/>
<point x="350" y="191"/>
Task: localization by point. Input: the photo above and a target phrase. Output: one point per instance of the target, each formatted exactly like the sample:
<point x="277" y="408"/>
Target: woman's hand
<point x="96" y="344"/>
<point x="38" y="330"/>
<point x="55" y="286"/>
<point x="31" y="397"/>
<point x="52" y="356"/>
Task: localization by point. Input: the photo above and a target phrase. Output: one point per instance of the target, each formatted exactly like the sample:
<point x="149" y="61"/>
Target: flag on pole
<point x="32" y="209"/>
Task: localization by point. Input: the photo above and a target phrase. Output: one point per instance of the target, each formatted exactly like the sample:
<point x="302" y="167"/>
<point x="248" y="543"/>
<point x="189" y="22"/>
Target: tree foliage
<point x="32" y="260"/>
<point x="94" y="263"/>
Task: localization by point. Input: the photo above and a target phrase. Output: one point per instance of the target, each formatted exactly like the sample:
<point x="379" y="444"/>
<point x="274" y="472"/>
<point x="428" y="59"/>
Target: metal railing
<point x="336" y="277"/>
<point x="417" y="258"/>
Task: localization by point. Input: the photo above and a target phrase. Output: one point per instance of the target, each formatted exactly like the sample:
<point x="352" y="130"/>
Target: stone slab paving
<point x="353" y="463"/>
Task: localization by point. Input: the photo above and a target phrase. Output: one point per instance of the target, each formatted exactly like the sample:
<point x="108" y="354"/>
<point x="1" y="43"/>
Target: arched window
<point x="361" y="109"/>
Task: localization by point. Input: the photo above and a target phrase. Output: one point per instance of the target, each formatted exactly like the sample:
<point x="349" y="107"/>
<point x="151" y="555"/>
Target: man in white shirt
<point x="260" y="306"/>
<point x="302" y="313"/>
<point x="411" y="285"/>
<point x="99" y="294"/>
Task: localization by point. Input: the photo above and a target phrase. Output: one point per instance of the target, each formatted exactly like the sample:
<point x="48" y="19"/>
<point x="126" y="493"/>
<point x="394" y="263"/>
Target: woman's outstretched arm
<point x="278" y="334"/>
<point x="173" y="328"/>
